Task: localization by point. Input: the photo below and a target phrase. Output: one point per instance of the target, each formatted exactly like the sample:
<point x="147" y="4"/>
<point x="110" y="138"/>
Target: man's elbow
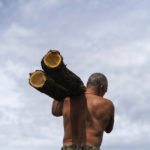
<point x="108" y="130"/>
<point x="56" y="114"/>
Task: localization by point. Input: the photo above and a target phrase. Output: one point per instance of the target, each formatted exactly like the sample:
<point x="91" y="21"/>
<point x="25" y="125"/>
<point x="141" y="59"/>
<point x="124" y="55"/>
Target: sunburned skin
<point x="85" y="118"/>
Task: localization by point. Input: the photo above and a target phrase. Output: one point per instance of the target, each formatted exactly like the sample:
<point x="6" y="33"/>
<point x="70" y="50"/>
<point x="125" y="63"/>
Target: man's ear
<point x="102" y="90"/>
<point x="102" y="87"/>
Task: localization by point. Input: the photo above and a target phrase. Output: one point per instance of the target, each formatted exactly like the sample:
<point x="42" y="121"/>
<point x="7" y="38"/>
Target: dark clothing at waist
<point x="79" y="147"/>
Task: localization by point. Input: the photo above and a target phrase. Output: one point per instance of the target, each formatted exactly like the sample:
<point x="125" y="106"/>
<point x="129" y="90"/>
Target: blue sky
<point x="108" y="36"/>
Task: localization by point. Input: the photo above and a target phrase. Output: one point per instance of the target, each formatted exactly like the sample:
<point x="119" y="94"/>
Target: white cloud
<point x="9" y="97"/>
<point x="112" y="37"/>
<point x="127" y="133"/>
<point x="33" y="9"/>
<point x="1" y="4"/>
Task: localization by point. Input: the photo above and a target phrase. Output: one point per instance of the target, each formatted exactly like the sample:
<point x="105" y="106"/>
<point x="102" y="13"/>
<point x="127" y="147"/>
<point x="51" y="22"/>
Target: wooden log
<point x="52" y="63"/>
<point x="45" y="84"/>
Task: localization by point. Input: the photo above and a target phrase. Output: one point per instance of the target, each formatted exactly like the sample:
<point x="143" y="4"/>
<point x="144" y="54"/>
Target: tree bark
<point x="45" y="84"/>
<point x="53" y="65"/>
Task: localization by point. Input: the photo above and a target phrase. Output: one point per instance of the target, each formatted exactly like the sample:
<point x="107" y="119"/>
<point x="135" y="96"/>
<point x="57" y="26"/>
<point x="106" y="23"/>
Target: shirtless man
<point x="86" y="117"/>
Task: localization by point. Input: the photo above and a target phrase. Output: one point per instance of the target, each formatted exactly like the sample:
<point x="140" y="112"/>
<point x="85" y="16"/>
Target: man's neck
<point x="92" y="91"/>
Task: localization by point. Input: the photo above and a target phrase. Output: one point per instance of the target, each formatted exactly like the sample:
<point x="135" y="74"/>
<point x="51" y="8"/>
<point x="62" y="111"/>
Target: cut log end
<point x="37" y="79"/>
<point x="52" y="59"/>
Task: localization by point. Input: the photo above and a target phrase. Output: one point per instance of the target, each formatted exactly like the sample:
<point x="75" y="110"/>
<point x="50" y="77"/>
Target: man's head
<point x="98" y="81"/>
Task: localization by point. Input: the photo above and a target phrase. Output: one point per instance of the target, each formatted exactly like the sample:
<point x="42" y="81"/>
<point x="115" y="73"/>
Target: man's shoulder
<point x="108" y="101"/>
<point x="109" y="105"/>
<point x="100" y="100"/>
<point x="103" y="102"/>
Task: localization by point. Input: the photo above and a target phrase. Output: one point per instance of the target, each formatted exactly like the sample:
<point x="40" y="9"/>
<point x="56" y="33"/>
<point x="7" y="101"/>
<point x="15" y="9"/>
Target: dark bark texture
<point x="52" y="89"/>
<point x="64" y="77"/>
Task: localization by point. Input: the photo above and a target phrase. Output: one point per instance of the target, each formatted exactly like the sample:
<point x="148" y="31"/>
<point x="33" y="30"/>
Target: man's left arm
<point x="57" y="108"/>
<point x="111" y="121"/>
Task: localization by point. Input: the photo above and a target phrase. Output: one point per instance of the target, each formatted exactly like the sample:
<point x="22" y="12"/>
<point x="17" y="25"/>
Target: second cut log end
<point x="37" y="79"/>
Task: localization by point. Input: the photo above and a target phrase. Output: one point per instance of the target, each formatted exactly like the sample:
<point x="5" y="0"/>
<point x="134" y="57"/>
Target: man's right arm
<point x="57" y="108"/>
<point x="110" y="125"/>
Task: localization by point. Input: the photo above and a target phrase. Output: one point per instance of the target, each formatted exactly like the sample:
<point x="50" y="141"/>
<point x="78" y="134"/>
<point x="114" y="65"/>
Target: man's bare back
<point x="85" y="119"/>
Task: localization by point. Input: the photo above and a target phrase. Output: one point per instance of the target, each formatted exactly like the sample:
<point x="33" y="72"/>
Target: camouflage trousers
<point x="79" y="147"/>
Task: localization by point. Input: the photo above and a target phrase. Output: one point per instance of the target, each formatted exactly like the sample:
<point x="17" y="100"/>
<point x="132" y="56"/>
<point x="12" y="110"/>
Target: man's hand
<point x="57" y="108"/>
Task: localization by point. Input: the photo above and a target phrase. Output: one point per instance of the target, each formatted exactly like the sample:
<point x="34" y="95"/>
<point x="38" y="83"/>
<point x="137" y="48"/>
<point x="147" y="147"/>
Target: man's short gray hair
<point x="97" y="79"/>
